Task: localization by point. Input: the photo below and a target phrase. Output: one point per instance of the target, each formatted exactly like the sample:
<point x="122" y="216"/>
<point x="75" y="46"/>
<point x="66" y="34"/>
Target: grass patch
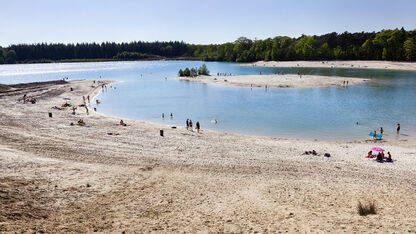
<point x="366" y="209"/>
<point x="151" y="214"/>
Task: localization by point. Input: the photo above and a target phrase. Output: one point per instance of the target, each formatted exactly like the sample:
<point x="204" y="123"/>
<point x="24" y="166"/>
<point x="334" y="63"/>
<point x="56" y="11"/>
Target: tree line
<point x="393" y="45"/>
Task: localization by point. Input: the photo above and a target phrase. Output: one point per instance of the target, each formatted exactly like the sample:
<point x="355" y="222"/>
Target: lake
<point x="150" y="88"/>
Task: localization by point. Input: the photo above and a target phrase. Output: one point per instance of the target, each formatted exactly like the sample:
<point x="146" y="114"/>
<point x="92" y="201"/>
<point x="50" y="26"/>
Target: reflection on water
<point x="328" y="113"/>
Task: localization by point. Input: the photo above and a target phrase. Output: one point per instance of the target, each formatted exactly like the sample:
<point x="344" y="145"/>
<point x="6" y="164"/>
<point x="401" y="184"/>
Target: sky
<point x="198" y="22"/>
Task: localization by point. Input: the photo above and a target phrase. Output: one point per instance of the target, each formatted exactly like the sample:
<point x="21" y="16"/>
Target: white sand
<point x="59" y="178"/>
<point x="277" y="81"/>
<point x="411" y="66"/>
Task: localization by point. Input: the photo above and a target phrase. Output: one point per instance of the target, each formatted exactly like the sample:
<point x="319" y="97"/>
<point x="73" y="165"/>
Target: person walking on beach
<point x="190" y="125"/>
<point x="398" y="128"/>
<point x="187" y="124"/>
<point x="88" y="97"/>
<point x="197" y="126"/>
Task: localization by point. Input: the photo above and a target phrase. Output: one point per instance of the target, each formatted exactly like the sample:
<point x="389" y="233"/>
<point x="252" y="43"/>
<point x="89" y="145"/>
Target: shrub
<point x="366" y="209"/>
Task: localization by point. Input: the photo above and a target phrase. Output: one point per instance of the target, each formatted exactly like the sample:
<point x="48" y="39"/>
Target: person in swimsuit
<point x="197" y="126"/>
<point x="389" y="157"/>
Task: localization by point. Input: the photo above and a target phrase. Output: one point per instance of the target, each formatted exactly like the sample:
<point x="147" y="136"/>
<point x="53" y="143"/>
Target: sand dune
<point x="55" y="177"/>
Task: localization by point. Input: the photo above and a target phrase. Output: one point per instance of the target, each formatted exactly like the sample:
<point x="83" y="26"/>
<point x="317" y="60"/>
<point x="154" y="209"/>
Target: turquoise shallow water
<point x="149" y="89"/>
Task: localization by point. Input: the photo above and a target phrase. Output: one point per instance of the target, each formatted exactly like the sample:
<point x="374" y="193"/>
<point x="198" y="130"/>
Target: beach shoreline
<point x="277" y="81"/>
<point x="105" y="177"/>
<point x="353" y="64"/>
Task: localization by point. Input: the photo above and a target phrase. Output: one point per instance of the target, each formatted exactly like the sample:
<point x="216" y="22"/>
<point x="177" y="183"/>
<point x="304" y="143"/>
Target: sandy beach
<point x="277" y="81"/>
<point x="389" y="65"/>
<point x="103" y="177"/>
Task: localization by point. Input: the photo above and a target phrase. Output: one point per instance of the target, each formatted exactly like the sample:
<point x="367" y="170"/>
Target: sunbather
<point x="81" y="122"/>
<point x="389" y="157"/>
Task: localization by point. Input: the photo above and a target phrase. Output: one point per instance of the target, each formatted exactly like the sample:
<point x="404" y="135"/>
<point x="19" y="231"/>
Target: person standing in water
<point x="171" y="115"/>
<point x="398" y="128"/>
<point x="197" y="126"/>
<point x="163" y="115"/>
<point x="375" y="134"/>
<point x="381" y="130"/>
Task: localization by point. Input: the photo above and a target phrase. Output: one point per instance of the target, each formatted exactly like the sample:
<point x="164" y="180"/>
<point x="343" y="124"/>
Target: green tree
<point x="325" y="52"/>
<point x="339" y="53"/>
<point x="409" y="49"/>
<point x="181" y="73"/>
<point x="367" y="50"/>
<point x="11" y="56"/>
<point x="3" y="54"/>
<point x="187" y="72"/>
<point x="203" y="70"/>
<point x="305" y="48"/>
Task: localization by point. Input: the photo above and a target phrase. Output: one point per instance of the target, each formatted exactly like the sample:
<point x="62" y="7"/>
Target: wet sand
<point x="409" y="66"/>
<point x="277" y="81"/>
<point x="55" y="177"/>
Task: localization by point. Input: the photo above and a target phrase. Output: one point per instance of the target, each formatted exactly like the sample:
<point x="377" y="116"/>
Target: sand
<point x="409" y="66"/>
<point x="277" y="81"/>
<point x="59" y="178"/>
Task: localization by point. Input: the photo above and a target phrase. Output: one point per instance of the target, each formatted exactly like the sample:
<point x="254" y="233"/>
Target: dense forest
<point x="393" y="45"/>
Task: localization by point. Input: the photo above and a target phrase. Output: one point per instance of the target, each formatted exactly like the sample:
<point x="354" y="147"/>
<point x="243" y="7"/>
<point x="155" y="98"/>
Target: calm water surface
<point x="149" y="89"/>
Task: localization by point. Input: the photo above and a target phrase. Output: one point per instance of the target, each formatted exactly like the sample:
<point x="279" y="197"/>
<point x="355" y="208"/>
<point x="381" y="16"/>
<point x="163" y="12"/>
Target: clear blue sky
<point x="205" y="22"/>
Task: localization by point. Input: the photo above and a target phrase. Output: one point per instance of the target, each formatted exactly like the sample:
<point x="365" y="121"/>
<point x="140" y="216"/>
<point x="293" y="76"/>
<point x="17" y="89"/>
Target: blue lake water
<point x="150" y="88"/>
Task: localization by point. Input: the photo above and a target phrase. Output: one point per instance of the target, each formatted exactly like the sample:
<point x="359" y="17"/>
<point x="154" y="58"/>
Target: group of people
<point x="345" y="83"/>
<point x="189" y="125"/>
<point x="382" y="131"/>
<point x="171" y="115"/>
<point x="314" y="153"/>
<point x="380" y="156"/>
<point x="223" y="74"/>
<point x="27" y="99"/>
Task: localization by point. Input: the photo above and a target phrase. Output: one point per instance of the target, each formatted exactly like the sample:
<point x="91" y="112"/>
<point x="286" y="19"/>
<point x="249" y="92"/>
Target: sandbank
<point x="107" y="178"/>
<point x="277" y="81"/>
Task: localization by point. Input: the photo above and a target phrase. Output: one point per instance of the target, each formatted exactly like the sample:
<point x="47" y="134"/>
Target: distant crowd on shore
<point x="189" y="123"/>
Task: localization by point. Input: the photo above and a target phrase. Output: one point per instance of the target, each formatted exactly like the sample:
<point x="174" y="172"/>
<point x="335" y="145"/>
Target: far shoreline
<point x="347" y="64"/>
<point x="357" y="64"/>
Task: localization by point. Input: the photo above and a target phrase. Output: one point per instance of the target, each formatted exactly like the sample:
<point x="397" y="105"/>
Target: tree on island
<point x="203" y="70"/>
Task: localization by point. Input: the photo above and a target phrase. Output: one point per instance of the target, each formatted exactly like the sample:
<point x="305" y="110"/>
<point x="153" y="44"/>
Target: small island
<point x="193" y="72"/>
